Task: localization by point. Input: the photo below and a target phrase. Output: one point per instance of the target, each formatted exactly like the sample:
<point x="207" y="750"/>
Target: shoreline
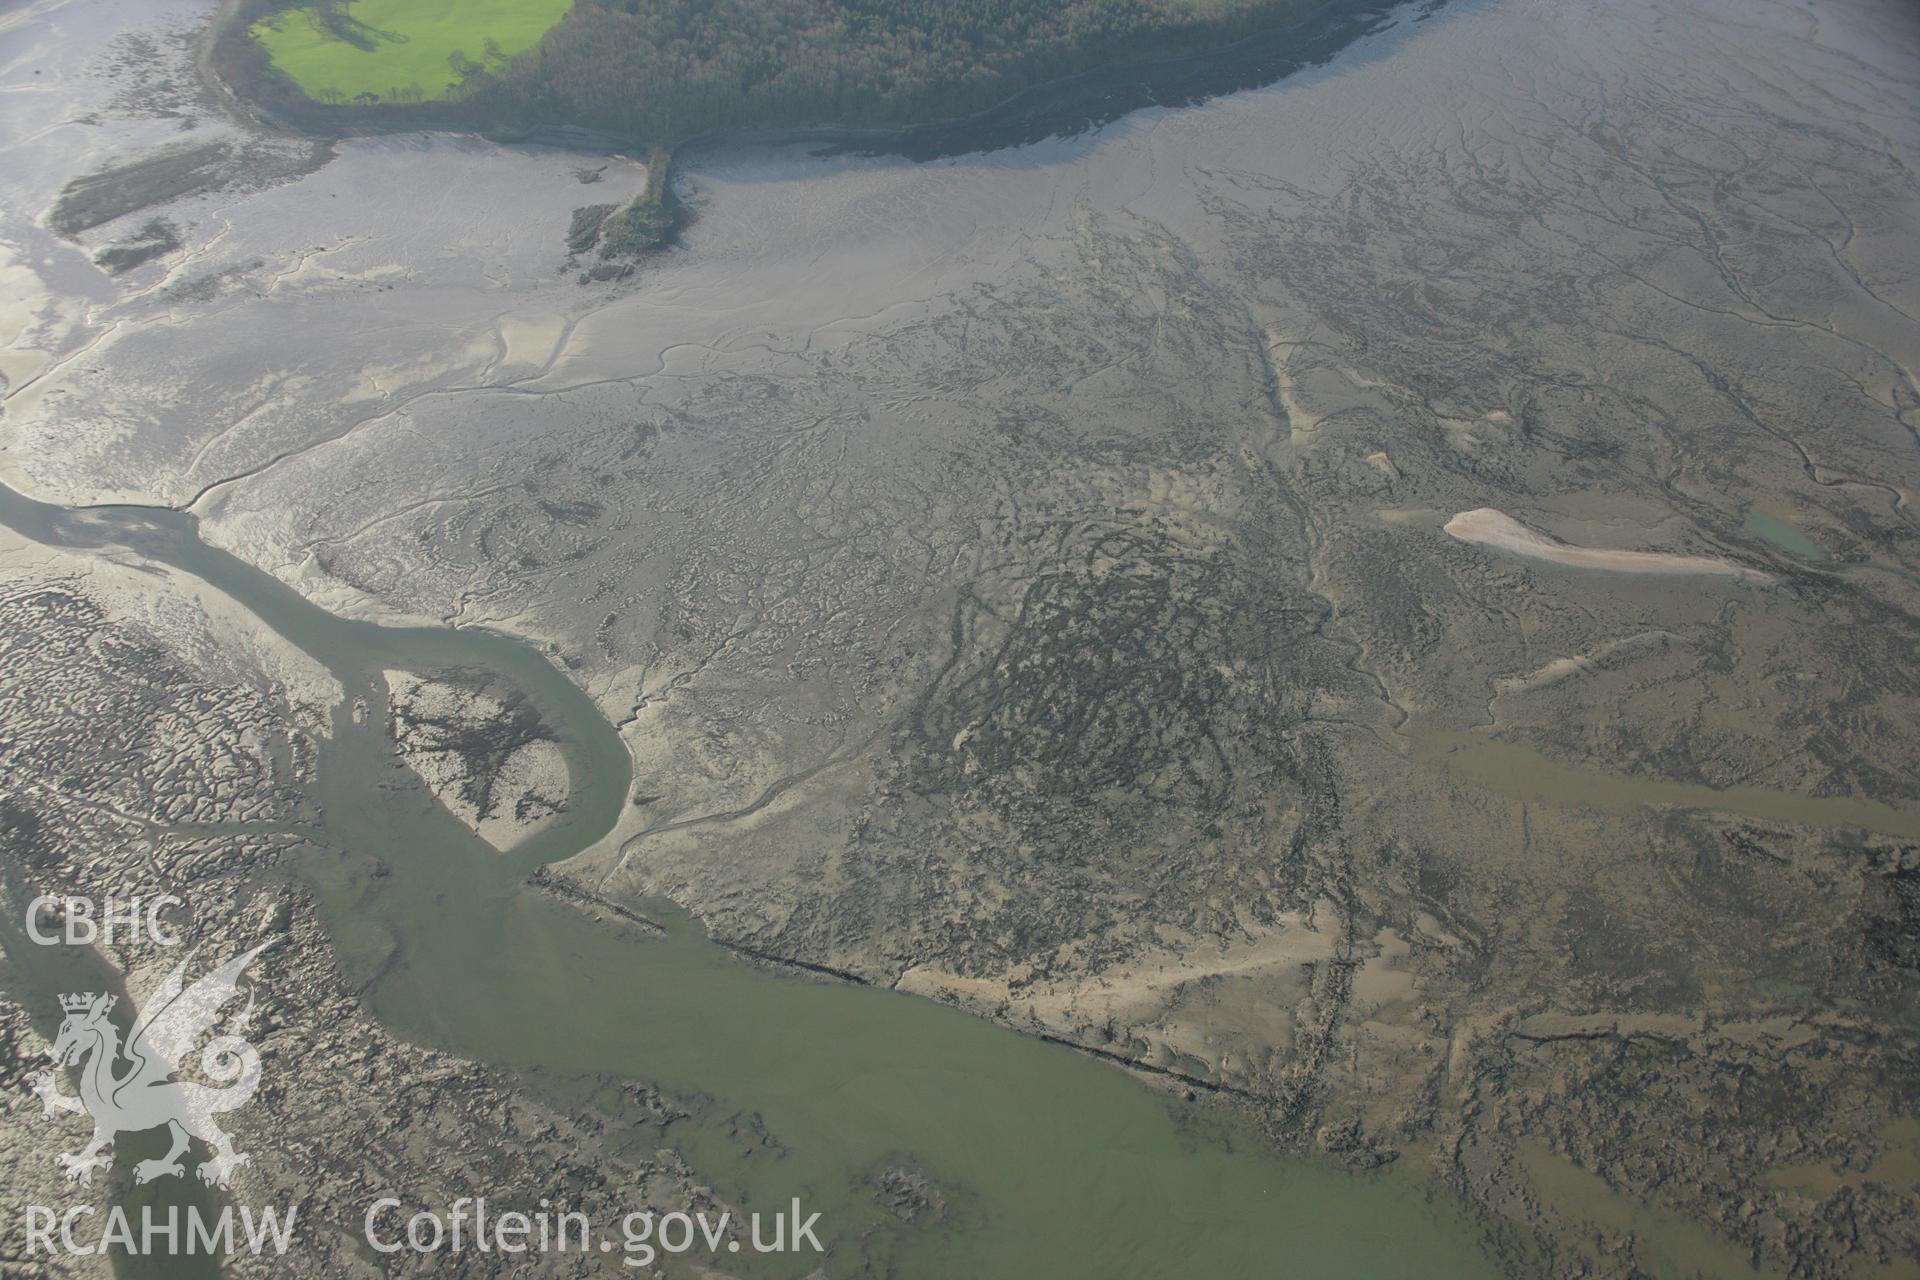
<point x="1062" y="107"/>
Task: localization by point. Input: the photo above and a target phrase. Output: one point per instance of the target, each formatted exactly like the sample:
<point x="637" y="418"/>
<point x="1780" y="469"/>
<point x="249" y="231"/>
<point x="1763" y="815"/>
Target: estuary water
<point x="1311" y="301"/>
<point x="1052" y="1163"/>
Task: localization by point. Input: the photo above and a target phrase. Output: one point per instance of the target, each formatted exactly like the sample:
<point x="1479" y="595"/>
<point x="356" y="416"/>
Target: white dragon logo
<point x="147" y="1096"/>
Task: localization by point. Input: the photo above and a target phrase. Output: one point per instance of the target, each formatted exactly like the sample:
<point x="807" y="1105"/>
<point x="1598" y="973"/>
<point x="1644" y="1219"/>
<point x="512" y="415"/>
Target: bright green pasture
<point x="410" y="42"/>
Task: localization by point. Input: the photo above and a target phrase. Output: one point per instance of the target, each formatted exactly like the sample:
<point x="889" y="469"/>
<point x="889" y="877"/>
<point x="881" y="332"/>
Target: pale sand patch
<point x="1170" y="998"/>
<point x="529" y="341"/>
<point x="312" y="273"/>
<point x="19" y="366"/>
<point x="1492" y="528"/>
<point x="21" y="298"/>
<point x="1384" y="983"/>
<point x="396" y="380"/>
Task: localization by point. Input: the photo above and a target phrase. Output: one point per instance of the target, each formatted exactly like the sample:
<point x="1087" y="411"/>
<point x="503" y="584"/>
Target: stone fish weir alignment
<point x="1048" y="1162"/>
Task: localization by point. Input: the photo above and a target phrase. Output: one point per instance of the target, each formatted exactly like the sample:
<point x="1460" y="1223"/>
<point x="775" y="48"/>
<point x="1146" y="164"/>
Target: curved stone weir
<point x="1052" y="1164"/>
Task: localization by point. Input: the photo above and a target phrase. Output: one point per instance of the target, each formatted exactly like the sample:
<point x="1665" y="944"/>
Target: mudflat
<point x="1317" y="668"/>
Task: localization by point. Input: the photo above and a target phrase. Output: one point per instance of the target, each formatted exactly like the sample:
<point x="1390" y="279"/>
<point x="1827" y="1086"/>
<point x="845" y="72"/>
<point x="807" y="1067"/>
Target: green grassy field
<point x="400" y="50"/>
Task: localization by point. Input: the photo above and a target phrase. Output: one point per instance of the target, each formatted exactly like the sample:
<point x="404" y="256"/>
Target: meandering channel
<point x="1054" y="1164"/>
